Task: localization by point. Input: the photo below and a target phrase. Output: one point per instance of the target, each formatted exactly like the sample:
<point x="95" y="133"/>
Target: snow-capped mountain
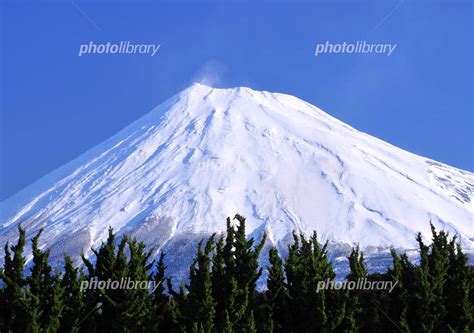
<point x="174" y="175"/>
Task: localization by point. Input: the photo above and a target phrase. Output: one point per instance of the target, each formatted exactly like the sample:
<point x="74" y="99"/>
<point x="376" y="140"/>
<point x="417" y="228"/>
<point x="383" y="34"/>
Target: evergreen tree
<point x="435" y="295"/>
<point x="354" y="312"/>
<point x="249" y="325"/>
<point x="73" y="300"/>
<point x="227" y="326"/>
<point x="246" y="266"/>
<point x="245" y="270"/>
<point x="220" y="287"/>
<point x="459" y="286"/>
<point x="137" y="302"/>
<point x="99" y="312"/>
<point x="403" y="273"/>
<point x="307" y="265"/>
<point x="438" y="260"/>
<point x="178" y="308"/>
<point x="45" y="287"/>
<point x="234" y="276"/>
<point x="20" y="306"/>
<point x="200" y="302"/>
<point x="161" y="318"/>
<point x="276" y="294"/>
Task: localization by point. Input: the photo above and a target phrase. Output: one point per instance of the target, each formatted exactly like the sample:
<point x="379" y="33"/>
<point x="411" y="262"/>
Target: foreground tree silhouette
<point x="221" y="295"/>
<point x="118" y="309"/>
<point x="73" y="298"/>
<point x="276" y="295"/>
<point x="354" y="311"/>
<point x="200" y="306"/>
<point x="305" y="266"/>
<point x="19" y="311"/>
<point x="163" y="315"/>
<point x="45" y="289"/>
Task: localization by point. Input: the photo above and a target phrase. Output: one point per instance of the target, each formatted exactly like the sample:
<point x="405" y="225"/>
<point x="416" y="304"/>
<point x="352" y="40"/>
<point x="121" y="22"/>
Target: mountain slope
<point x="174" y="175"/>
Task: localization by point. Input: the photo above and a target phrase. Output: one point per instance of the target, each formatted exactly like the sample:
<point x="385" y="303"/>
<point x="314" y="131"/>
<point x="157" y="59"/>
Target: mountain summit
<point x="174" y="175"/>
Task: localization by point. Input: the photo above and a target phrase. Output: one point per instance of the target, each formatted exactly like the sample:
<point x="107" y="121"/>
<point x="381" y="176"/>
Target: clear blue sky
<point x="56" y="105"/>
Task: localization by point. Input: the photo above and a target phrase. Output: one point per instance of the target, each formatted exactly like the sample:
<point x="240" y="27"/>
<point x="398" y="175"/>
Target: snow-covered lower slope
<point x="173" y="176"/>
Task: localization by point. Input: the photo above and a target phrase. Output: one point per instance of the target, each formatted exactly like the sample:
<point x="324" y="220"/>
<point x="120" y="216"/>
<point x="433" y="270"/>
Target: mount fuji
<point x="173" y="176"/>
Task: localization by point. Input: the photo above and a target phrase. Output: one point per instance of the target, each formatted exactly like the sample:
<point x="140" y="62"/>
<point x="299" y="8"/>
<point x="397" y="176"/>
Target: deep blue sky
<point x="56" y="105"/>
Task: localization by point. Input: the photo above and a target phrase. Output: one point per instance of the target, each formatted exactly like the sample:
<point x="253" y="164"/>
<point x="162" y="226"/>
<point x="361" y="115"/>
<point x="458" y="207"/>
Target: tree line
<point x="220" y="295"/>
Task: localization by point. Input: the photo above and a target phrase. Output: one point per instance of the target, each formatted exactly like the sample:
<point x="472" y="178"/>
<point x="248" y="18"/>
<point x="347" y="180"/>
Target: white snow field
<point x="174" y="175"/>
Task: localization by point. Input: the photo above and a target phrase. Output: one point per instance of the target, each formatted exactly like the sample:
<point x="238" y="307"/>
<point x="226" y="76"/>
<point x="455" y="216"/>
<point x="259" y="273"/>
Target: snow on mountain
<point x="174" y="175"/>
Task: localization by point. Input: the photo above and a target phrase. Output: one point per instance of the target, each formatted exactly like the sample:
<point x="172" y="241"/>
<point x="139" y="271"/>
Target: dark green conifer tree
<point x="435" y="295"/>
<point x="200" y="302"/>
<point x="249" y="325"/>
<point x="136" y="304"/>
<point x="161" y="317"/>
<point x="20" y="306"/>
<point x="246" y="271"/>
<point x="354" y="311"/>
<point x="73" y="298"/>
<point x="276" y="294"/>
<point x="423" y="297"/>
<point x="220" y="290"/>
<point x="459" y="287"/>
<point x="45" y="287"/>
<point x="306" y="265"/>
<point x="403" y="273"/>
<point x="178" y="308"/>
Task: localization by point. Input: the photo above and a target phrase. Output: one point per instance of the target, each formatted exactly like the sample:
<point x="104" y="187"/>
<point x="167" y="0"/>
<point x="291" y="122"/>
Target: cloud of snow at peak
<point x="211" y="73"/>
